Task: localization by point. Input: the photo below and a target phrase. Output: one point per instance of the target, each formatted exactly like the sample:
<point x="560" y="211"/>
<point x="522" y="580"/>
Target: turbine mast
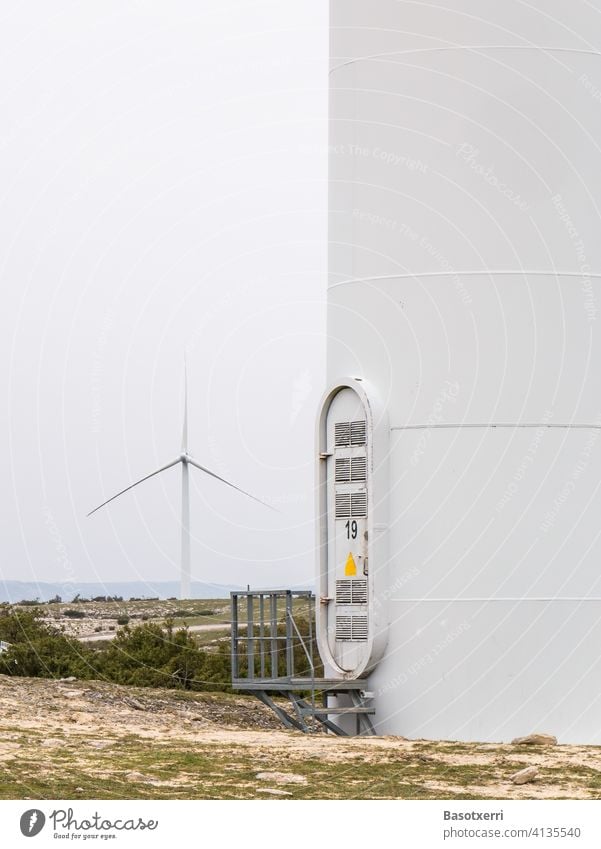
<point x="185" y="565"/>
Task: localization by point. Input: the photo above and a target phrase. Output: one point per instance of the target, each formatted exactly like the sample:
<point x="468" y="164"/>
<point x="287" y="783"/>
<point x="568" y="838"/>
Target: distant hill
<point x="14" y="591"/>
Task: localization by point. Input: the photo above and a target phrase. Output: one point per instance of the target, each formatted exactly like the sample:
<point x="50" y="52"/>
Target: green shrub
<point x="152" y="655"/>
<point x="74" y="614"/>
<point x="38" y="649"/>
<point x="148" y="655"/>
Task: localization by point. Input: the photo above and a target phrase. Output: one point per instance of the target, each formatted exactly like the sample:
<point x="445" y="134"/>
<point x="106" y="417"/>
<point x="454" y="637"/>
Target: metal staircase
<point x="273" y="659"/>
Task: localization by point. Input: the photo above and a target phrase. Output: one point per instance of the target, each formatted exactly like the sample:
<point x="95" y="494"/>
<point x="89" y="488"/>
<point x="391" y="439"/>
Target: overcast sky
<point x="163" y="185"/>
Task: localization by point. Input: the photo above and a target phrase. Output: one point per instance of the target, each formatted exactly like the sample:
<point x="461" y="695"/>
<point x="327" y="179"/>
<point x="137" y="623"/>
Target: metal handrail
<point x="308" y="656"/>
<point x="263" y="640"/>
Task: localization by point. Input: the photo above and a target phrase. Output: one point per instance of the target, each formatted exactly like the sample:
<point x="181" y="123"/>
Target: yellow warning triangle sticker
<point x="350" y="567"/>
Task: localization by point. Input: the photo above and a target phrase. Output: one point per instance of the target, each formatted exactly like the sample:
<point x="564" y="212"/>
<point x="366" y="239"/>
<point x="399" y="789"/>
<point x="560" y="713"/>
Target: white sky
<point x="162" y="183"/>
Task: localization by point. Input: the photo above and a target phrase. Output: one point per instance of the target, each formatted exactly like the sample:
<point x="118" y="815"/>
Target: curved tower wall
<point x="465" y="249"/>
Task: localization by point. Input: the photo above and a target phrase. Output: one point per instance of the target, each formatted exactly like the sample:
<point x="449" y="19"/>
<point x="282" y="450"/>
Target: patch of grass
<point x="174" y="770"/>
<point x="67" y="762"/>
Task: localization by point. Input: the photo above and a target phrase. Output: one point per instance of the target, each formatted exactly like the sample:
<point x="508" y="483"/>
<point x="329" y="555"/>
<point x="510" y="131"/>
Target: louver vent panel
<point x="351" y="629"/>
<point x="342" y="433"/>
<point x="358" y="430"/>
<point x="344" y="593"/>
<point x="350" y="433"/>
<point x="358" y="469"/>
<point x="343" y="628"/>
<point x="351" y="505"/>
<point x="359" y="592"/>
<point x="358" y="629"/>
<point x="358" y="504"/>
<point x="351" y="591"/>
<point x="343" y="470"/>
<point x="343" y="505"/>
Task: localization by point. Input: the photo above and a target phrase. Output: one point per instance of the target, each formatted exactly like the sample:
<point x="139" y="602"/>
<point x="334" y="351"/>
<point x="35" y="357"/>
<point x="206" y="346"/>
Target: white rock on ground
<point x="524" y="775"/>
<point x="273" y="792"/>
<point x="138" y="776"/>
<point x="282" y="777"/>
<point x="535" y="740"/>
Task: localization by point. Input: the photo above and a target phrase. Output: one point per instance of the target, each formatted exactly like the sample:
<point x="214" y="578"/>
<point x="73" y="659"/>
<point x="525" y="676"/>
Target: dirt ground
<point x="81" y="739"/>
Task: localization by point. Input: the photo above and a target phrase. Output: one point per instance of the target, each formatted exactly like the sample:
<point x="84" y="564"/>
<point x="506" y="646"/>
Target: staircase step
<point x="282" y="684"/>
<point x="322" y="711"/>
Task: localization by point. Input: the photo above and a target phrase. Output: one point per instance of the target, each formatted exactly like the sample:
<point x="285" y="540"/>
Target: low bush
<point x="146" y="655"/>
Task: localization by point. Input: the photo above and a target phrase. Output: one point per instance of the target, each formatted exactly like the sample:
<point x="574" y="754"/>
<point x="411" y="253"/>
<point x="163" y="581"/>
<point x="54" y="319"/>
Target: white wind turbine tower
<point x="186" y="460"/>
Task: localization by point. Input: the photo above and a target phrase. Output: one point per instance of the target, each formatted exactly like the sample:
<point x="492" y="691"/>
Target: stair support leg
<point x="364" y="718"/>
<point x="296" y="703"/>
<point x="289" y="721"/>
<point x="327" y="723"/>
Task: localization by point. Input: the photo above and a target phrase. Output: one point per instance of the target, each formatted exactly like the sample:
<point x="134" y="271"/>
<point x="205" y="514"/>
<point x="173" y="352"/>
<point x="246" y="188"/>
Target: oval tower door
<point x="347" y="508"/>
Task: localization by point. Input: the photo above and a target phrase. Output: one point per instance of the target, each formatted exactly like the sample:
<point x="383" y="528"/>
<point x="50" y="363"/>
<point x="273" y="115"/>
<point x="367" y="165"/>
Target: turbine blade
<point x="228" y="483"/>
<point x="185" y="424"/>
<point x="131" y="486"/>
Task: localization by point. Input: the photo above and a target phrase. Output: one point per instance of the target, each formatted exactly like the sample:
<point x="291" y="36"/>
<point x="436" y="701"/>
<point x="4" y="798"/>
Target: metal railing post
<point x="250" y="642"/>
<point x="234" y="635"/>
<point x="262" y="634"/>
<point x="289" y="646"/>
<point x="311" y="609"/>
<point x="273" y="604"/>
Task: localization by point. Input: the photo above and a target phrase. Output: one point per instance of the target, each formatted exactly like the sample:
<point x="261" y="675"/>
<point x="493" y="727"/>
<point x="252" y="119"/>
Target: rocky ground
<point x="72" y="739"/>
<point x="101" y="620"/>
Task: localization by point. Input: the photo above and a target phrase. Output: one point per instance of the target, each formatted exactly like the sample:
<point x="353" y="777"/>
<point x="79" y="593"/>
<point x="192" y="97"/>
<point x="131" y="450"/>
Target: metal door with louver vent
<point x="352" y="512"/>
<point x="348" y="625"/>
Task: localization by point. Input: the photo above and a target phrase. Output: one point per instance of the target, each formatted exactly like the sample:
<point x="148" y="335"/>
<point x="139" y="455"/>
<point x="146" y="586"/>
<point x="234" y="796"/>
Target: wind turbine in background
<point x="186" y="460"/>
